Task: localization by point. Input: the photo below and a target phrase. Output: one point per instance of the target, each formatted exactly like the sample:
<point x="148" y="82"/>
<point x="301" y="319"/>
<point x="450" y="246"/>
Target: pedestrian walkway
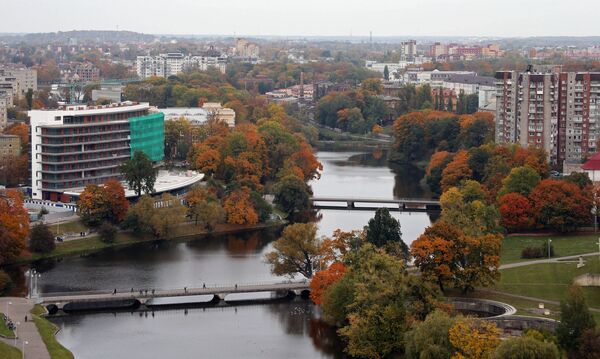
<point x="551" y="260"/>
<point x="26" y="330"/>
<point x="533" y="299"/>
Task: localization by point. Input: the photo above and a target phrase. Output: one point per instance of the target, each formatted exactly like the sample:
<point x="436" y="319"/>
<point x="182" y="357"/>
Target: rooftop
<point x="592" y="164"/>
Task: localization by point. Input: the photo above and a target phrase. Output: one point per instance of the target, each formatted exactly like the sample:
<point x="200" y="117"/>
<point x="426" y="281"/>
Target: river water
<point x="281" y="330"/>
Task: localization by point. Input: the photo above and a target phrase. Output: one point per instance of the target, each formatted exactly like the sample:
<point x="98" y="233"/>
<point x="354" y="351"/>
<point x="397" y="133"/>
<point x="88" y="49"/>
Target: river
<point x="281" y="330"/>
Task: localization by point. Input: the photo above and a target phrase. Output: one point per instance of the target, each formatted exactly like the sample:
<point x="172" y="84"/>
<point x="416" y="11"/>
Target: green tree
<point x="107" y="232"/>
<point x="208" y="214"/>
<point x="429" y="339"/>
<point x="41" y="239"/>
<point x="139" y="173"/>
<point x="575" y="318"/>
<point x="521" y="180"/>
<point x="169" y="214"/>
<point x="581" y="179"/>
<point x="292" y="194"/>
<point x="296" y="251"/>
<point x="262" y="207"/>
<point x="5" y="283"/>
<point x="383" y="230"/>
<point x="29" y="98"/>
<point x="386" y="73"/>
<point x="526" y="348"/>
<point x="139" y="217"/>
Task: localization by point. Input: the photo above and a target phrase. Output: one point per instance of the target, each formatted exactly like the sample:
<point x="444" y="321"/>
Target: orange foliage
<point x="114" y="195"/>
<point x="239" y="208"/>
<point x="21" y="130"/>
<point x="206" y="159"/>
<point x="14" y="225"/>
<point x="437" y="159"/>
<point x="322" y="280"/>
<point x="305" y="159"/>
<point x="376" y="129"/>
<point x="456" y="171"/>
<point x="515" y="211"/>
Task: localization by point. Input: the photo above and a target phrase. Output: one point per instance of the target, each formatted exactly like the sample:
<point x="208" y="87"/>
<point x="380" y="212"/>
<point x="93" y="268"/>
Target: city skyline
<point x="509" y="18"/>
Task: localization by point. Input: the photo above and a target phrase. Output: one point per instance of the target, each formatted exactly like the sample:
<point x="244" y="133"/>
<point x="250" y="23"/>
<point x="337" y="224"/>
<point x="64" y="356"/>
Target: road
<point x="551" y="260"/>
<point x="26" y="331"/>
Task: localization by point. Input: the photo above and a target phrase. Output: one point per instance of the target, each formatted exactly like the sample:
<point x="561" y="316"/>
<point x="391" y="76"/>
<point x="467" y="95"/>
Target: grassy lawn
<point x="68" y="227"/>
<point x="563" y="246"/>
<point x="47" y="331"/>
<point x="549" y="280"/>
<point x="9" y="352"/>
<point x="4" y="331"/>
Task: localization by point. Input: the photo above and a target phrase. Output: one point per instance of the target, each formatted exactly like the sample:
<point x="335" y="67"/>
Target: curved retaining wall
<point x="482" y="307"/>
<point x="522" y="322"/>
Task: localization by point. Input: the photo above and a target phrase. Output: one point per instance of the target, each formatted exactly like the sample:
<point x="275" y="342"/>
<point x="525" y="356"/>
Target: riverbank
<point x="91" y="244"/>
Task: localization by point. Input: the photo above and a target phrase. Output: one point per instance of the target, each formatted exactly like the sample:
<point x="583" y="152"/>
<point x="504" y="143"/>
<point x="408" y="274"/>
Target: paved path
<point x="551" y="260"/>
<point x="528" y="298"/>
<point x="26" y="331"/>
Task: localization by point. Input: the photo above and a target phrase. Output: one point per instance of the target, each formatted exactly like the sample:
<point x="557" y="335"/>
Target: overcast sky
<point x="308" y="17"/>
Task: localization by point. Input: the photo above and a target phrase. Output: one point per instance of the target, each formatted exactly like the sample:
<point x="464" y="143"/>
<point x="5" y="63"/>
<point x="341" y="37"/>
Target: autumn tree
<point x="140" y="216"/>
<point x="589" y="345"/>
<point x="474" y="338"/>
<point x="560" y="205"/>
<point x="324" y="279"/>
<point x="238" y="207"/>
<point x="140" y="173"/>
<point x="526" y="347"/>
<point x="204" y="208"/>
<point x="14" y="225"/>
<point x="114" y="196"/>
<point x="107" y="232"/>
<point x="168" y="214"/>
<point x="575" y="319"/>
<point x="102" y="203"/>
<point x="41" y="239"/>
<point x="515" y="212"/>
<point x="429" y="339"/>
<point x="466" y="208"/>
<point x="521" y="180"/>
<point x="456" y="171"/>
<point x="296" y="251"/>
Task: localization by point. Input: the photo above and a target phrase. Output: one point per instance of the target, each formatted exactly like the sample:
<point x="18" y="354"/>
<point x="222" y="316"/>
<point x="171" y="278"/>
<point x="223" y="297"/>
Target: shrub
<point x="537" y="252"/>
<point x="107" y="232"/>
<point x="5" y="283"/>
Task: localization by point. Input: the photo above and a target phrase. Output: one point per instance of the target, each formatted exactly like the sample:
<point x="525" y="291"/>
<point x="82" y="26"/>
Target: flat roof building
<point x="77" y="145"/>
<point x="10" y="145"/>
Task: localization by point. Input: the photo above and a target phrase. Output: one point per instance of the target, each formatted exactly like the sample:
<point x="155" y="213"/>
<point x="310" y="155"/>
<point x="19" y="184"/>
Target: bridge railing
<point x="194" y="286"/>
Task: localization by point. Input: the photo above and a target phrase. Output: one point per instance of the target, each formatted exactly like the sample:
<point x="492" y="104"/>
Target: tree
<point x="114" y="196"/>
<point x="139" y="173"/>
<point x="238" y="207"/>
<point x="140" y="216"/>
<point x="386" y="73"/>
<point x="292" y="194"/>
<point x="588" y="348"/>
<point x="474" y="338"/>
<point x="560" y="205"/>
<point x="169" y="214"/>
<point x="521" y="180"/>
<point x="5" y="283"/>
<point x="29" y="98"/>
<point x="466" y="208"/>
<point x="515" y="211"/>
<point x="456" y="171"/>
<point x="429" y="339"/>
<point x="92" y="206"/>
<point x="526" y="348"/>
<point x="377" y="315"/>
<point x="296" y="251"/>
<point x="324" y="279"/>
<point x="14" y="225"/>
<point x="384" y="230"/>
<point x="261" y="206"/>
<point x="41" y="239"/>
<point x="575" y="318"/>
<point x="107" y="232"/>
<point x="209" y="214"/>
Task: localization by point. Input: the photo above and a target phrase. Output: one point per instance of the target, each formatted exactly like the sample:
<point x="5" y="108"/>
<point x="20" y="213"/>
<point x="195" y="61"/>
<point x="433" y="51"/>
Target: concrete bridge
<point x="370" y="204"/>
<point x="128" y="299"/>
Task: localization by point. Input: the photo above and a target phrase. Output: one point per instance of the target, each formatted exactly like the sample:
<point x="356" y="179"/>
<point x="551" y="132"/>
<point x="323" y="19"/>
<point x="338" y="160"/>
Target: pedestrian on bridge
<point x="204" y="285"/>
<point x="115" y="291"/>
<point x="185" y="289"/>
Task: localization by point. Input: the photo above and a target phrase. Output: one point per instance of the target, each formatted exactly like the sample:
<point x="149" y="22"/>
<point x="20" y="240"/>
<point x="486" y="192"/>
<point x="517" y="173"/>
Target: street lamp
<point x="549" y="243"/>
<point x="25" y="342"/>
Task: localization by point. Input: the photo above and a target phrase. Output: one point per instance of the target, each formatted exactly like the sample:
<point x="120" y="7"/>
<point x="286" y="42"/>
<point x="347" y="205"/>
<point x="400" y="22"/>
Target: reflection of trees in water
<point x="237" y="244"/>
<point x="301" y="318"/>
<point x="375" y="158"/>
<point x="325" y="338"/>
<point x="307" y="216"/>
<point x="408" y="182"/>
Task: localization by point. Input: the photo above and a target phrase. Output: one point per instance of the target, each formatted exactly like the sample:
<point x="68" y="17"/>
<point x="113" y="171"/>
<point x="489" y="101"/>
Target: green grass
<point x="47" y="331"/>
<point x="9" y="352"/>
<point x="563" y="246"/>
<point x="549" y="280"/>
<point x="4" y="331"/>
<point x="68" y="227"/>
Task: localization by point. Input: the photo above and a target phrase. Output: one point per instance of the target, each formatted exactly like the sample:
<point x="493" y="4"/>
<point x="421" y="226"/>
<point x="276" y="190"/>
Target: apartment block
<point x="10" y="145"/>
<point x="408" y="51"/>
<point x="171" y="64"/>
<point x="77" y="145"/>
<point x="21" y="80"/>
<point x="554" y="110"/>
<point x="4" y="103"/>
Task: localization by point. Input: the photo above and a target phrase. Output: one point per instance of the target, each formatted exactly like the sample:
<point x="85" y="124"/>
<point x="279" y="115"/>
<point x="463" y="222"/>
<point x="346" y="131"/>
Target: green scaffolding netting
<point x="148" y="135"/>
